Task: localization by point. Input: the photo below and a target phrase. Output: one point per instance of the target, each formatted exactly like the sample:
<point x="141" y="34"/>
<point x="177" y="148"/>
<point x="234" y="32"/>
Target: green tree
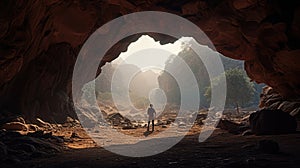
<point x="240" y="90"/>
<point x="190" y="57"/>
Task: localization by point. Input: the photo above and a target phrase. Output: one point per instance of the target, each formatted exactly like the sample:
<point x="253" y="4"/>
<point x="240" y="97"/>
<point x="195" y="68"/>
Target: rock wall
<point x="272" y="100"/>
<point x="39" y="42"/>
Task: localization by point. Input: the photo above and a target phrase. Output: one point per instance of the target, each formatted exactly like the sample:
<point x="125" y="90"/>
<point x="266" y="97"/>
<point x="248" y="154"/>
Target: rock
<point x="14" y="126"/>
<point x="3" y="150"/>
<point x="295" y="112"/>
<point x="274" y="105"/>
<point x="118" y="120"/>
<point x="169" y="121"/>
<point x="74" y="135"/>
<point x="268" y="146"/>
<point x="199" y="122"/>
<point x="271" y="100"/>
<point x="12" y="159"/>
<point x="28" y="148"/>
<point x="48" y="135"/>
<point x="247" y="132"/>
<point x="128" y="127"/>
<point x="39" y="153"/>
<point x="42" y="123"/>
<point x="19" y="119"/>
<point x="2" y="132"/>
<point x="288" y="106"/>
<point x="242" y="4"/>
<point x="231" y="126"/>
<point x="265" y="122"/>
<point x="182" y="125"/>
<point x="160" y="122"/>
<point x="164" y="126"/>
<point x="33" y="127"/>
<point x="69" y="120"/>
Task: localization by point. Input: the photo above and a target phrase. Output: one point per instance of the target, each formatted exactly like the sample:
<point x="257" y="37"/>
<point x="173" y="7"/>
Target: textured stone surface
<point x="270" y="122"/>
<point x="272" y="100"/>
<point x="39" y="42"/>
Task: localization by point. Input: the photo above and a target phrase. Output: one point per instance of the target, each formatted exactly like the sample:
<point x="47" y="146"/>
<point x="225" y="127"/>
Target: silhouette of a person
<point x="152" y="114"/>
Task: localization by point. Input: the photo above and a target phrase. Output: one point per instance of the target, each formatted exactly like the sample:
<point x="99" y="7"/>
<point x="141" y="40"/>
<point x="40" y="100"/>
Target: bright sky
<point x="146" y="51"/>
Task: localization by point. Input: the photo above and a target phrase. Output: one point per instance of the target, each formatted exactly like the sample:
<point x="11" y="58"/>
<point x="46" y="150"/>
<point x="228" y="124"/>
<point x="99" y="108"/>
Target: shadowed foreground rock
<point x="270" y="122"/>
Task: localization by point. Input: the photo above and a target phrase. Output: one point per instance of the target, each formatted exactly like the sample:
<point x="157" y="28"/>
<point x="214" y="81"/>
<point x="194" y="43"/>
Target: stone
<point x="69" y="120"/>
<point x="128" y="127"/>
<point x="247" y="132"/>
<point x="42" y="123"/>
<point x="295" y="112"/>
<point x="33" y="127"/>
<point x="74" y="135"/>
<point x="288" y="106"/>
<point x="28" y="148"/>
<point x="3" y="150"/>
<point x="14" y="126"/>
<point x="242" y="4"/>
<point x="230" y="126"/>
<point x="118" y="120"/>
<point x="264" y="122"/>
<point x="19" y="119"/>
<point x="182" y="124"/>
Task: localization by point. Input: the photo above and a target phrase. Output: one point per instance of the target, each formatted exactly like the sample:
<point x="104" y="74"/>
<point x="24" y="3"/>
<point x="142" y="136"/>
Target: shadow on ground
<point x="222" y="149"/>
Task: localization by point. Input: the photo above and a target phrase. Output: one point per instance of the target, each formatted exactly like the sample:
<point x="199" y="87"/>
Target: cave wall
<point x="39" y="42"/>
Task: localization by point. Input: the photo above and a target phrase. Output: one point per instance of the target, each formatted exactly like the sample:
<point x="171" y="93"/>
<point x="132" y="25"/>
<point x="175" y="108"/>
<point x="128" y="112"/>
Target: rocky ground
<point x="67" y="145"/>
<point x="221" y="150"/>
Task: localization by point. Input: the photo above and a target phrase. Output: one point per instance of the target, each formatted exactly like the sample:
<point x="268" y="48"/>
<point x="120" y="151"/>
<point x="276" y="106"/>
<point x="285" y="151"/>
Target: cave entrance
<point x="140" y="76"/>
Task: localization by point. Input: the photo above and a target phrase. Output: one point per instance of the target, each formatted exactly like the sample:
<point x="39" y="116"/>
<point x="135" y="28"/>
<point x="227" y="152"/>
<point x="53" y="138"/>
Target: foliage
<point x="169" y="84"/>
<point x="239" y="89"/>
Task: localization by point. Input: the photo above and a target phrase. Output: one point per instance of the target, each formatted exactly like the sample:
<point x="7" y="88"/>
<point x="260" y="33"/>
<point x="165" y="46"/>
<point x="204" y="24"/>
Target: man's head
<point x="151" y="105"/>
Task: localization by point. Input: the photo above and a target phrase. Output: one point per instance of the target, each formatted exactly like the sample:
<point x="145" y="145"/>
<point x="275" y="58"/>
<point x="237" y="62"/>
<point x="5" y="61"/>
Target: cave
<point x="40" y="42"/>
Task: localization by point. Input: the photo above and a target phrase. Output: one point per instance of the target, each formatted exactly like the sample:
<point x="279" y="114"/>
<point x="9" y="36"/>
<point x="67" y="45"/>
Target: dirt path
<point x="220" y="150"/>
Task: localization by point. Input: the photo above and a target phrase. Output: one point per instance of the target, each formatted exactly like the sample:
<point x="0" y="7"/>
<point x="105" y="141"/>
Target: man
<point x="152" y="114"/>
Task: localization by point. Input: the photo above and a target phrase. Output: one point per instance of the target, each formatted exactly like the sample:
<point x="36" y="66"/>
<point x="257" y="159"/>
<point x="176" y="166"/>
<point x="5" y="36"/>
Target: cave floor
<point x="222" y="149"/>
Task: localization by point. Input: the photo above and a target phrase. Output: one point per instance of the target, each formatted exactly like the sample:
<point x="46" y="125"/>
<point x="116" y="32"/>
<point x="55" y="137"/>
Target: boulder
<point x="268" y="122"/>
<point x="117" y="119"/>
<point x="288" y="106"/>
<point x="231" y="127"/>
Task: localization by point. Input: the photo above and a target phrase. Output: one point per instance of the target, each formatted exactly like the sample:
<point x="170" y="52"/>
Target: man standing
<point x="152" y="114"/>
